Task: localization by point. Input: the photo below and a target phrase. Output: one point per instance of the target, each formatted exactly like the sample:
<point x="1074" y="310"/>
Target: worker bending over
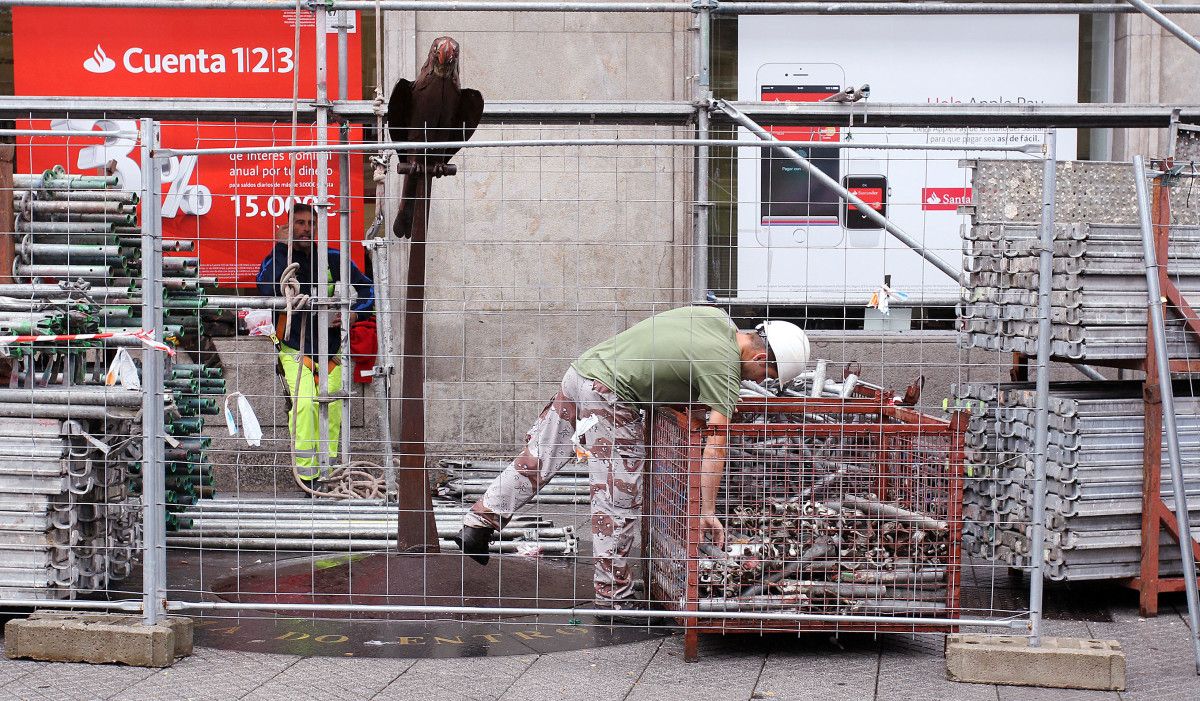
<point x="692" y="354"/>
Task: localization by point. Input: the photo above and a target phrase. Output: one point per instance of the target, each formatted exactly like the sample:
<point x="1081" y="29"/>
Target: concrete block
<point x="98" y="638"/>
<point x="183" y="628"/>
<point x="1060" y="663"/>
<point x="180" y="625"/>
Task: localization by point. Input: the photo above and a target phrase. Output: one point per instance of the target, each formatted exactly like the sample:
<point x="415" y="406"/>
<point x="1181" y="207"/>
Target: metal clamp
<point x="437" y="170"/>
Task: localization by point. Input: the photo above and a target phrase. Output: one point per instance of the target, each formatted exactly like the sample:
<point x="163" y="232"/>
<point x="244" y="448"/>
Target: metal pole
<point x="420" y="146"/>
<point x="154" y="500"/>
<point x="1163" y="365"/>
<point x="703" y="104"/>
<point x="1154" y="14"/>
<point x="798" y="8"/>
<point x="1089" y="372"/>
<point x="383" y="363"/>
<point x="1041" y="437"/>
<point x="343" y="21"/>
<point x="322" y="216"/>
<point x="574" y="611"/>
<point x="819" y="175"/>
<point x="935" y="8"/>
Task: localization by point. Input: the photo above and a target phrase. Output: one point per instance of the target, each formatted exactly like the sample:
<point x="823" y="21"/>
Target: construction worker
<point x="692" y="354"/>
<point x="297" y="350"/>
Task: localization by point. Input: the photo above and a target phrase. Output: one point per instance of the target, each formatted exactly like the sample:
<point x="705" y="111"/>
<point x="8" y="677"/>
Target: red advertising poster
<point x="935" y="199"/>
<point x="873" y="196"/>
<point x="230" y="204"/>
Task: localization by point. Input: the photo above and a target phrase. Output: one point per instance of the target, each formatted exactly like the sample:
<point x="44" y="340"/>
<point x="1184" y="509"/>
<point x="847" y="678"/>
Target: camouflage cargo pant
<point x="614" y="449"/>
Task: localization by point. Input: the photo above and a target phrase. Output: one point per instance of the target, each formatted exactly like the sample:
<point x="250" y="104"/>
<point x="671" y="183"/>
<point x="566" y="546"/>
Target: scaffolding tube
<point x="576" y="611"/>
<point x="731" y="8"/>
<point x="1167" y="397"/>
<point x="678" y="113"/>
<point x="1041" y="440"/>
<point x="420" y="146"/>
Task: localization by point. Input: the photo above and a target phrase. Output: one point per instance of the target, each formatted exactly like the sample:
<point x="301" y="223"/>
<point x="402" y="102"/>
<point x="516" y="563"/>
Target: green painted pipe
<point x="187" y="370"/>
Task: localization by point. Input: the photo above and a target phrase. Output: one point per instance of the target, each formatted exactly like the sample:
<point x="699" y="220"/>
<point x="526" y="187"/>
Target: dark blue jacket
<point x="268" y="285"/>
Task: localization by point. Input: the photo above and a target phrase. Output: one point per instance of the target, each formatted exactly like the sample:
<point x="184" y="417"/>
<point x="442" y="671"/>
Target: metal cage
<point x="845" y="514"/>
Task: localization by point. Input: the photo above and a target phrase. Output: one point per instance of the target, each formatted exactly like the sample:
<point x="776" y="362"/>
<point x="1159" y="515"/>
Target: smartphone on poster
<point x="789" y="196"/>
<point x="872" y="189"/>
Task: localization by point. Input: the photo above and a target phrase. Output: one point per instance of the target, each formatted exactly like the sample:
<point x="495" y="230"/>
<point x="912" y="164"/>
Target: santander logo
<point x="99" y="62"/>
<point x="935" y="199"/>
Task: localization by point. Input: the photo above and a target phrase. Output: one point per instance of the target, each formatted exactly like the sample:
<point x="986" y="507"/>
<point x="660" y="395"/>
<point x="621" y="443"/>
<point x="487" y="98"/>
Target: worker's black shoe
<point x="473" y="541"/>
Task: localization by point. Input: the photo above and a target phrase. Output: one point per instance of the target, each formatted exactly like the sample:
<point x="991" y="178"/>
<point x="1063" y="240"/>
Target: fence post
<point x="703" y="97"/>
<point x="154" y="521"/>
<point x="1042" y="425"/>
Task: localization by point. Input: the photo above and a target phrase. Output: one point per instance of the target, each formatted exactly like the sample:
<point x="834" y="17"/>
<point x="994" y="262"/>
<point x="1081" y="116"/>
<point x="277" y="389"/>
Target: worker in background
<point x="297" y="350"/>
<point x="692" y="354"/>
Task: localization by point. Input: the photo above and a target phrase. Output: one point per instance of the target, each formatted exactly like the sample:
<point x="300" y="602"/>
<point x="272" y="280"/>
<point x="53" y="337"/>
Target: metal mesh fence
<point x="536" y="254"/>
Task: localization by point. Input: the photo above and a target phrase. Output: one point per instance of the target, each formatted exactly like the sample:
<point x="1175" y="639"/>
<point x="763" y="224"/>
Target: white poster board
<point x="793" y="245"/>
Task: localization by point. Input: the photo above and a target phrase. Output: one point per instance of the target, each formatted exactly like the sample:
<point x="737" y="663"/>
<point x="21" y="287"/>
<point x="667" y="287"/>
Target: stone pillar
<point x="1152" y="66"/>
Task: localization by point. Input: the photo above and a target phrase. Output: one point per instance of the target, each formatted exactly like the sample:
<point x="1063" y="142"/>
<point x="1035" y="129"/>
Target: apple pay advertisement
<point x="797" y="240"/>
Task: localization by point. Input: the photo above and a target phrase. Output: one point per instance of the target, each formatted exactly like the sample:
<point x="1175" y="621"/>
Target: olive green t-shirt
<point x="683" y="355"/>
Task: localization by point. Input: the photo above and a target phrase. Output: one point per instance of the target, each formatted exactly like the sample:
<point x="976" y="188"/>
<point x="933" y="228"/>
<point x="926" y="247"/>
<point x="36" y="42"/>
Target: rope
<point x="360" y="479"/>
<point x="294" y="298"/>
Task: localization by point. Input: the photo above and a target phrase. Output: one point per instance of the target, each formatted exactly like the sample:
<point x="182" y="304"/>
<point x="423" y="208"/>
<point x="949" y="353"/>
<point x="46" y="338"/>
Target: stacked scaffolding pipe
<point x="1098" y="303"/>
<point x="1094" y="476"/>
<point x="352" y="525"/>
<point x="79" y="250"/>
<point x="467" y="480"/>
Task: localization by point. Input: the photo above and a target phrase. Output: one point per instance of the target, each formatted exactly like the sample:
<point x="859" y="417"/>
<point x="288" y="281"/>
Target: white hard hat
<point x="789" y="345"/>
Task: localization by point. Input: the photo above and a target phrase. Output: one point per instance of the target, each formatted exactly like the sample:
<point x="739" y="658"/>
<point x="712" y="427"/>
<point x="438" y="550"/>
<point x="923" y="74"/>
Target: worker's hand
<point x="281" y="233"/>
<point x="711" y="525"/>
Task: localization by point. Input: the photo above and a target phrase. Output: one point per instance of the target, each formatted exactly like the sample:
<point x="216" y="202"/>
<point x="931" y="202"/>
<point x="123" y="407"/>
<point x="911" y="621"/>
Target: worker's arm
<point x="269" y="273"/>
<point x="712" y="467"/>
<point x="364" y="289"/>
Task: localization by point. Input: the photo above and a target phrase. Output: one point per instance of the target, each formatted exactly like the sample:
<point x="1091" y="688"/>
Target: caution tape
<point x="146" y="336"/>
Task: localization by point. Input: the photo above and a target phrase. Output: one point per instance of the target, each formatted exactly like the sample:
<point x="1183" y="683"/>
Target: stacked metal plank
<point x="68" y="523"/>
<point x="1093" y="472"/>
<point x="1099" y="290"/>
<point x="1099" y="314"/>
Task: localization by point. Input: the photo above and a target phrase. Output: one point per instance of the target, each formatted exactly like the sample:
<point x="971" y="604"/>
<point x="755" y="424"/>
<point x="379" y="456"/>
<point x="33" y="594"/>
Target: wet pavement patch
<point x="327" y="637"/>
<point x="402" y="580"/>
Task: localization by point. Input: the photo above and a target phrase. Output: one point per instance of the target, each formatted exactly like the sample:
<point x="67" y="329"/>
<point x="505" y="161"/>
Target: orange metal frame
<point x="1155" y="513"/>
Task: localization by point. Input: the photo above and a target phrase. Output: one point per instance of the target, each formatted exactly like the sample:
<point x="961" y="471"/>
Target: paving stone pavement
<point x="779" y="667"/>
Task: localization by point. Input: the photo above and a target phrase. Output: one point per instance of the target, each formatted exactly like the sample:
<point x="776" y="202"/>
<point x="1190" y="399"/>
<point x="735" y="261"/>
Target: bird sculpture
<point x="432" y="108"/>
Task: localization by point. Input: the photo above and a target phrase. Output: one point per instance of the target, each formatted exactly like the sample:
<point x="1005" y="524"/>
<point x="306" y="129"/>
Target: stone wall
<point x="1151" y="65"/>
<point x="536" y="254"/>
